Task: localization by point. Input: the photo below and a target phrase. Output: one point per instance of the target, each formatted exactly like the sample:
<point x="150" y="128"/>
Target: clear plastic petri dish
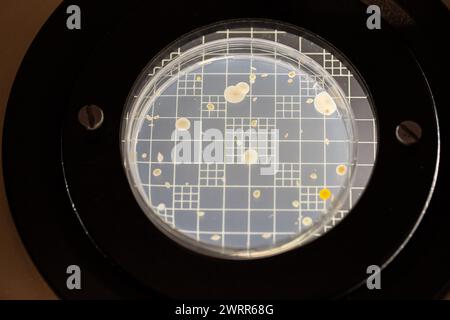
<point x="243" y="146"/>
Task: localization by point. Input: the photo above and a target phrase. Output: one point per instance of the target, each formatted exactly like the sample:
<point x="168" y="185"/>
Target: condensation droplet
<point x="341" y="169"/>
<point x="325" y="104"/>
<point x="307" y="221"/>
<point x="324" y="194"/>
<point x="257" y="194"/>
<point x="183" y="124"/>
<point x="244" y="87"/>
<point x="250" y="156"/>
<point x="234" y="94"/>
<point x="200" y="213"/>
<point x="215" y="237"/>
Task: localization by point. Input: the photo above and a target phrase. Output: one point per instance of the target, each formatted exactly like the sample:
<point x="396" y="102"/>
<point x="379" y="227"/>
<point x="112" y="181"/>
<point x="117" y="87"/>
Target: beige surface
<point x="20" y="20"/>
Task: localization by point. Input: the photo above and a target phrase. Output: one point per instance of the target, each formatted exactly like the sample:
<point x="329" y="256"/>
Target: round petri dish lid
<point x="241" y="147"/>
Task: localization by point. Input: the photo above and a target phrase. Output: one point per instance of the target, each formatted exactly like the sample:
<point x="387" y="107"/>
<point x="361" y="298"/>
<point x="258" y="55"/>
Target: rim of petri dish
<point x="149" y="88"/>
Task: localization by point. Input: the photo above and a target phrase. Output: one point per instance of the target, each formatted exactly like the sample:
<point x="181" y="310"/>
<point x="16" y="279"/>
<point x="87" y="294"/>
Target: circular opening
<point x="408" y="132"/>
<point x="90" y="117"/>
<point x="245" y="143"/>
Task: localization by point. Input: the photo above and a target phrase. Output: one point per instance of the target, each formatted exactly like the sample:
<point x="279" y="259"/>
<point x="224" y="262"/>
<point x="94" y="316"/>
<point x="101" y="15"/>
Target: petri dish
<point x="245" y="143"/>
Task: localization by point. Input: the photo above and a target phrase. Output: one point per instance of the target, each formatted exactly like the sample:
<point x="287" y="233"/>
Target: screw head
<point x="408" y="132"/>
<point x="90" y="117"/>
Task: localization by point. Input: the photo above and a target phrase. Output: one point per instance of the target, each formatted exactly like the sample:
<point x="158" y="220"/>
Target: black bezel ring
<point x="373" y="233"/>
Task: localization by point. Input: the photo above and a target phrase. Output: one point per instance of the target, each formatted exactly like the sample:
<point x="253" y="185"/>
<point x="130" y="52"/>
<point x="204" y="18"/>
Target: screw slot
<point x="90" y="117"/>
<point x="408" y="132"/>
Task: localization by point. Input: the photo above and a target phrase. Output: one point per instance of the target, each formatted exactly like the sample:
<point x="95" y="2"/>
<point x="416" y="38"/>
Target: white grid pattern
<point x="187" y="197"/>
<point x="334" y="66"/>
<point x="190" y="85"/>
<point x="288" y="175"/>
<point x="219" y="110"/>
<point x="212" y="174"/>
<point x="287" y="107"/>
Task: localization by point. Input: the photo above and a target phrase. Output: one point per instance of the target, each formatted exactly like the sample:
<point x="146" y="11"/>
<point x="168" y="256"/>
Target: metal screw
<point x="408" y="132"/>
<point x="91" y="117"/>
